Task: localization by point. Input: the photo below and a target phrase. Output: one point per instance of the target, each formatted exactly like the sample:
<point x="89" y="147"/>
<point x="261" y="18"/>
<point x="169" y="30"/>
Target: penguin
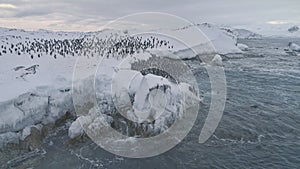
<point x="165" y="88"/>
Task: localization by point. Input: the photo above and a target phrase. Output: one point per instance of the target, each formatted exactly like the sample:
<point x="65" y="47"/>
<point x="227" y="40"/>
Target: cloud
<point x="94" y="13"/>
<point x="277" y="22"/>
<point x="8" y="6"/>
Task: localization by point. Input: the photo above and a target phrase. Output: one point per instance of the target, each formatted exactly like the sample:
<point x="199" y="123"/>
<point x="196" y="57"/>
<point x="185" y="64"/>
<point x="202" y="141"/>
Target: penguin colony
<point x="110" y="46"/>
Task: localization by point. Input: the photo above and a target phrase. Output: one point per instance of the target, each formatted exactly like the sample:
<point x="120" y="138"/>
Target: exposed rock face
<point x="33" y="140"/>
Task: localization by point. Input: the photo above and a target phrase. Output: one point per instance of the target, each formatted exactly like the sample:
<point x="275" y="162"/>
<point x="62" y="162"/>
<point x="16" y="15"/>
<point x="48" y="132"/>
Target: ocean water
<point x="260" y="127"/>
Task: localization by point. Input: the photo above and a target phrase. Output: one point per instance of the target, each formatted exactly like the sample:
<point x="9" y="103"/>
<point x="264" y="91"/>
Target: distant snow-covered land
<point x="273" y="30"/>
<point x="242" y="33"/>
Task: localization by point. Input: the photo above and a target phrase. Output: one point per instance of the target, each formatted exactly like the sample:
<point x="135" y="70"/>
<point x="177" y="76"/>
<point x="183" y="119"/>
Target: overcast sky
<point x="89" y="15"/>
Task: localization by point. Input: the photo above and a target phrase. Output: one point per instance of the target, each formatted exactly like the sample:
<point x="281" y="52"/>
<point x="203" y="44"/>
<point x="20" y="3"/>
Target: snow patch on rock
<point x="294" y="47"/>
<point x="216" y="61"/>
<point x="9" y="137"/>
<point x="293" y="29"/>
<point x="75" y="129"/>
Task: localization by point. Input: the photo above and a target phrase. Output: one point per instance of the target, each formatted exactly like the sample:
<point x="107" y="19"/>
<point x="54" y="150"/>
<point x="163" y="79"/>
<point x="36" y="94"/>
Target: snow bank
<point x="20" y="74"/>
<point x="41" y="106"/>
<point x="219" y="42"/>
<point x="243" y="47"/>
<point x="224" y="42"/>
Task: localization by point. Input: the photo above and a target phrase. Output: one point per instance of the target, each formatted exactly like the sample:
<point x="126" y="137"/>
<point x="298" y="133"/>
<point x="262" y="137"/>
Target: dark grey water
<point x="260" y="127"/>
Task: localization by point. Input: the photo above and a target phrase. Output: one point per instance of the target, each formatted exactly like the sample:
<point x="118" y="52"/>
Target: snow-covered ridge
<point x="46" y="34"/>
<point x="223" y="41"/>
